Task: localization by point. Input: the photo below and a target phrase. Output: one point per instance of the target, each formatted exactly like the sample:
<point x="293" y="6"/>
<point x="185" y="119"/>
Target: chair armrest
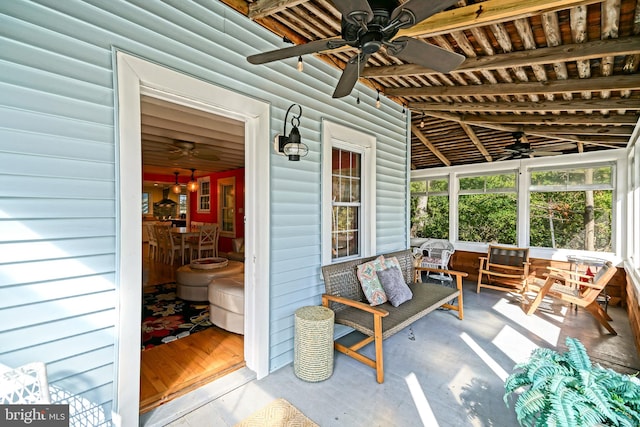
<point x="568" y="272"/>
<point x="357" y="304"/>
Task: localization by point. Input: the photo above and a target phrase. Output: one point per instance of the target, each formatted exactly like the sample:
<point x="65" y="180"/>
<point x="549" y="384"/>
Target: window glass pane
<point x="438" y="185"/>
<point x="488" y="182"/>
<point x="578" y="220"/>
<point x="418" y="186"/>
<point x="346" y="198"/>
<point x="472" y="183"/>
<point x="602" y="175"/>
<point x="501" y="181"/>
<point x="430" y="216"/>
<point x="487" y="218"/>
<point x="548" y="178"/>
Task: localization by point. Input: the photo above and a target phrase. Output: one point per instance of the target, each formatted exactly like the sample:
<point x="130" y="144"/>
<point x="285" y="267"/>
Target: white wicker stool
<point x="313" y="343"/>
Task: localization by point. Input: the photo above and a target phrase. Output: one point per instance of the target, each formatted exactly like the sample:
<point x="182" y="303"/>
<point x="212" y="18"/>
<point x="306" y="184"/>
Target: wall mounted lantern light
<point x="192" y="185"/>
<point x="176" y="187"/>
<point x="290" y="145"/>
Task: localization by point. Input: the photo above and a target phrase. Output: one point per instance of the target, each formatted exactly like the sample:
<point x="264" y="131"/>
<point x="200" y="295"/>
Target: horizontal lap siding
<point x="58" y="191"/>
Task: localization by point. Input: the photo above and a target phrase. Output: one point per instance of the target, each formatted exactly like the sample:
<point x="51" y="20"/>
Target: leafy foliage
<point x="567" y="390"/>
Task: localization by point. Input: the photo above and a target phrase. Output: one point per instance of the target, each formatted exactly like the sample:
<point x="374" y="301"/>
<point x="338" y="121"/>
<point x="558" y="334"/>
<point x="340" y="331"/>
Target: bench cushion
<point x="426" y="298"/>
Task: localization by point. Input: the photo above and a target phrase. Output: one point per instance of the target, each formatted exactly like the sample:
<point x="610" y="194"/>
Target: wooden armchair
<point x="505" y="269"/>
<point x="579" y="289"/>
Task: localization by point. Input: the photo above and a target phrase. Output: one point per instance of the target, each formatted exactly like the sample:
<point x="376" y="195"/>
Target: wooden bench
<point x="345" y="297"/>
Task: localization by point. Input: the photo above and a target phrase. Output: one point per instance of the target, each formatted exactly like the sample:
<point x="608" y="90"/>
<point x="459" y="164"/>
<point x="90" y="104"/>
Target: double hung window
<point x="204" y="195"/>
<point x="348" y="177"/>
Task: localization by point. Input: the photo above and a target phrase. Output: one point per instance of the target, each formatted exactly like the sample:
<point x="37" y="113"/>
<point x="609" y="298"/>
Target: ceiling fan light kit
<point x="368" y="26"/>
<point x="291" y="146"/>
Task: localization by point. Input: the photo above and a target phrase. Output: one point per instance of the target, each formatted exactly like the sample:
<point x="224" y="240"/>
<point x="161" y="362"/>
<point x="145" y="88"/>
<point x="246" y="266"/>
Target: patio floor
<point x="438" y="372"/>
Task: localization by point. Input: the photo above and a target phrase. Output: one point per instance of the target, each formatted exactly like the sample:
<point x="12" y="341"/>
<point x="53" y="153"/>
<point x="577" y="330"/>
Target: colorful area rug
<point x="279" y="413"/>
<point x="166" y="318"/>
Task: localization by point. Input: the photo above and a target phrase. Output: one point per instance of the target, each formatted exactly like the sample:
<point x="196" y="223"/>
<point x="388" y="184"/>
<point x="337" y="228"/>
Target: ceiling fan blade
<point x="354" y="11"/>
<point x="413" y="11"/>
<point x="560" y="147"/>
<point x="176" y="156"/>
<point x="298" y="50"/>
<point x="350" y="75"/>
<point x="509" y="157"/>
<point x="206" y="156"/>
<point x="545" y="153"/>
<point x="427" y="55"/>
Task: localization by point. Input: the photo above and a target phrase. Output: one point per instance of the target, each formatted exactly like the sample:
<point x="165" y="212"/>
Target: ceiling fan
<point x="188" y="149"/>
<point x="370" y="25"/>
<point x="523" y="150"/>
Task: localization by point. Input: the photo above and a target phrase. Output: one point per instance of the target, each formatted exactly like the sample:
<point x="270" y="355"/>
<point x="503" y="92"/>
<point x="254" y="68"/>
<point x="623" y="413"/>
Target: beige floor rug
<point x="278" y="413"/>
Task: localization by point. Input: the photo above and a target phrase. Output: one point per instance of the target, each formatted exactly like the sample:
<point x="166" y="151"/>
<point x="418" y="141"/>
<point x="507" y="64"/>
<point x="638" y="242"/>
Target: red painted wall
<point x="224" y="244"/>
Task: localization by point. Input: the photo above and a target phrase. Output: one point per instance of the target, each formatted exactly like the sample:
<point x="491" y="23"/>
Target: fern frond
<point x="577" y="355"/>
<point x="529" y="404"/>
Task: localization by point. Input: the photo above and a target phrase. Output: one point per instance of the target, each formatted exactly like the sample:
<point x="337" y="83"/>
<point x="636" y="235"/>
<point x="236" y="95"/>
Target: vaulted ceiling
<point x="563" y="72"/>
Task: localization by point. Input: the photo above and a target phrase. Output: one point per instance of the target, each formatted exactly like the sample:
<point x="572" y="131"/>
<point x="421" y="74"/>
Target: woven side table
<point x="313" y="343"/>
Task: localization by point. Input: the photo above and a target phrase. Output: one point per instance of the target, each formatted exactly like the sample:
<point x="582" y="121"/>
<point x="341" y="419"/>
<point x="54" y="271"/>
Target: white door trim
<point x="136" y="76"/>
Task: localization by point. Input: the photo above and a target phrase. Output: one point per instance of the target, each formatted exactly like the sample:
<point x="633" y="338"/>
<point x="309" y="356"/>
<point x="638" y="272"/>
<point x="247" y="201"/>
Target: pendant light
<point x="192" y="185"/>
<point x="176" y="187"/>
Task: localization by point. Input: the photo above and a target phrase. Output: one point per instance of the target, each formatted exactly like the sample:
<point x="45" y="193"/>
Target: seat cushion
<point x="228" y="293"/>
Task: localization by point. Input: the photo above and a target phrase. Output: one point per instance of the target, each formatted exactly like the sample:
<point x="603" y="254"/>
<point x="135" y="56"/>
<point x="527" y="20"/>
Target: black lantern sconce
<point x="291" y="146"/>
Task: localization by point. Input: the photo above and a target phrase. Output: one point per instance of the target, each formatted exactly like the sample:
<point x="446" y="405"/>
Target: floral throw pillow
<point x="368" y="277"/>
<point x="392" y="262"/>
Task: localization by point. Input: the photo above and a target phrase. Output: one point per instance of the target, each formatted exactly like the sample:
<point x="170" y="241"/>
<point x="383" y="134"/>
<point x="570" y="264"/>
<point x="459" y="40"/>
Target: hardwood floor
<point x="173" y="369"/>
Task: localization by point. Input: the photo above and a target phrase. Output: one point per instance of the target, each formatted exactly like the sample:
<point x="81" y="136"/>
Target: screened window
<point x="572" y="208"/>
<point x="204" y="195"/>
<point x="346" y="178"/>
<point x="430" y="208"/>
<point x="488" y="209"/>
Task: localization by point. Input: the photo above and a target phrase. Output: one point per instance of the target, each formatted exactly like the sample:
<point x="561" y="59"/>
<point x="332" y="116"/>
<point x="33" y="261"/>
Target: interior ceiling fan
<point x="523" y="150"/>
<point x="370" y="25"/>
<point x="187" y="149"/>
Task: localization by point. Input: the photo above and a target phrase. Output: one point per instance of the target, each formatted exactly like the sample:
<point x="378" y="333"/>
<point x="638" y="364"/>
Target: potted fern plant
<point x="555" y="389"/>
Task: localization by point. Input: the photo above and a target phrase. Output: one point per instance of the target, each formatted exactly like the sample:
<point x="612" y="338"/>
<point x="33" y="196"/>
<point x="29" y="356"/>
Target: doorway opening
<point x="182" y="348"/>
<point x="138" y="77"/>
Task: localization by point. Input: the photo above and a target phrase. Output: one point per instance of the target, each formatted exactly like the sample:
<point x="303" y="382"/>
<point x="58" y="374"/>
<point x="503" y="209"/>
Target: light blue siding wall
<point x="58" y="293"/>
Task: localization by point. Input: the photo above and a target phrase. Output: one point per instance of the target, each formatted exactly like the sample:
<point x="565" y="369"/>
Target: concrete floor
<point x="438" y="372"/>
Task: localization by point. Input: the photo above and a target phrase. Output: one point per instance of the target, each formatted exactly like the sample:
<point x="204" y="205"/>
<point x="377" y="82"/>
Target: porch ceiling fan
<point x="522" y="150"/>
<point x="369" y="26"/>
<point x="187" y="149"/>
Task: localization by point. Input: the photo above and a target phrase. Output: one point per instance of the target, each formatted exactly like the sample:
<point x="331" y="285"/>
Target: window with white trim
<point x="487" y="208"/>
<point x="204" y="195"/>
<point x="227" y="206"/>
<point x="572" y="208"/>
<point x="430" y="208"/>
<point x="348" y="178"/>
